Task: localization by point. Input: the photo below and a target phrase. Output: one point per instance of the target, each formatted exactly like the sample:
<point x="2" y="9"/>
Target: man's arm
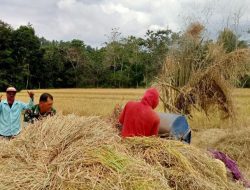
<point x="28" y="116"/>
<point x="31" y="102"/>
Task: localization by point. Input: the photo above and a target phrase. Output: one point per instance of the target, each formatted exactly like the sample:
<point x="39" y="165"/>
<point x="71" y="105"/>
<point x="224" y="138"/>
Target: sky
<point x="93" y="20"/>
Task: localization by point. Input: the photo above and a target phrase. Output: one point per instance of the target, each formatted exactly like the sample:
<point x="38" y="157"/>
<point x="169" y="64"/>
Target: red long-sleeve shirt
<point x="138" y="118"/>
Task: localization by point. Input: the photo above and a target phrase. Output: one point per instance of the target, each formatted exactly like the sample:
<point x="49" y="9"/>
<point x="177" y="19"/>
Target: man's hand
<point x="31" y="94"/>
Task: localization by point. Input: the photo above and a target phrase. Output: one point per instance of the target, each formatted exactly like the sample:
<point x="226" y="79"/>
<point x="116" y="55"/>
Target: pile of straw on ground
<point x="72" y="152"/>
<point x="237" y="145"/>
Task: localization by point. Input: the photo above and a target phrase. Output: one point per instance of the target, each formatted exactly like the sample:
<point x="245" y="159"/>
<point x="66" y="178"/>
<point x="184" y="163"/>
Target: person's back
<point x="138" y="118"/>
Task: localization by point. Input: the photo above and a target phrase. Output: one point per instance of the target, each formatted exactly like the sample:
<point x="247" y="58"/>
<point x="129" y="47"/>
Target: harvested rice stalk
<point x="184" y="166"/>
<point x="200" y="75"/>
<point x="72" y="152"/>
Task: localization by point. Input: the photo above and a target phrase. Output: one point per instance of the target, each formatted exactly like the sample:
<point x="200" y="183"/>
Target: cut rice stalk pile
<point x="185" y="166"/>
<point x="72" y="152"/>
<point x="206" y="91"/>
<point x="200" y="74"/>
<point x="237" y="145"/>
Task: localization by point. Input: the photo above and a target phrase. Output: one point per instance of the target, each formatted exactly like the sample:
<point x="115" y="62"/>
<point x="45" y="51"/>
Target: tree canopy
<point x="27" y="61"/>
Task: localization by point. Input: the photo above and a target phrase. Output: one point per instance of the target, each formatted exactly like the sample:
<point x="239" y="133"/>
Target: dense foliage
<point x="27" y="61"/>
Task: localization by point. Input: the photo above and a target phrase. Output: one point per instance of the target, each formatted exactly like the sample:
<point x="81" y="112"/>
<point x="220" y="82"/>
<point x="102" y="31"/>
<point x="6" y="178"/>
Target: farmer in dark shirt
<point x="41" y="110"/>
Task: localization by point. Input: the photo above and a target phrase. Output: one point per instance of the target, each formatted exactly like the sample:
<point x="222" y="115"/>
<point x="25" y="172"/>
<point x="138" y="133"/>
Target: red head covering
<point x="151" y="98"/>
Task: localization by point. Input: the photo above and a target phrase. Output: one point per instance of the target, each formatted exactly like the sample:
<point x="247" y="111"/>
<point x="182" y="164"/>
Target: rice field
<point x="88" y="102"/>
<point x="101" y="102"/>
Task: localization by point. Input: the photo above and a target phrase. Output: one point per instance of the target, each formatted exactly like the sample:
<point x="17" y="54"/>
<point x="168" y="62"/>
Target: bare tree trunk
<point x="27" y="80"/>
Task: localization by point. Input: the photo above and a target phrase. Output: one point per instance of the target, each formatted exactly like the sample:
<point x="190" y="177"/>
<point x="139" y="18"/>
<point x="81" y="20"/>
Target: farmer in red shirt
<point x="138" y="118"/>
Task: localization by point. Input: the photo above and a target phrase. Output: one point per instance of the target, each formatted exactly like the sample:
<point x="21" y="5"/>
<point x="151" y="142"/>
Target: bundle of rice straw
<point x="114" y="117"/>
<point x="185" y="166"/>
<point x="200" y="74"/>
<point x="237" y="145"/>
<point x="205" y="91"/>
<point x="72" y="152"/>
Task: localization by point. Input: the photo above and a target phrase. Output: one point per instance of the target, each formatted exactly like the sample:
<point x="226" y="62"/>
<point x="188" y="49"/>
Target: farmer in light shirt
<point x="10" y="113"/>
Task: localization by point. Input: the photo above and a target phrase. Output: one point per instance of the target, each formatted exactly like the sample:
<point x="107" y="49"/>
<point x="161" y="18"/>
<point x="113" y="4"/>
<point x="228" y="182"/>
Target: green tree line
<point x="30" y="62"/>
